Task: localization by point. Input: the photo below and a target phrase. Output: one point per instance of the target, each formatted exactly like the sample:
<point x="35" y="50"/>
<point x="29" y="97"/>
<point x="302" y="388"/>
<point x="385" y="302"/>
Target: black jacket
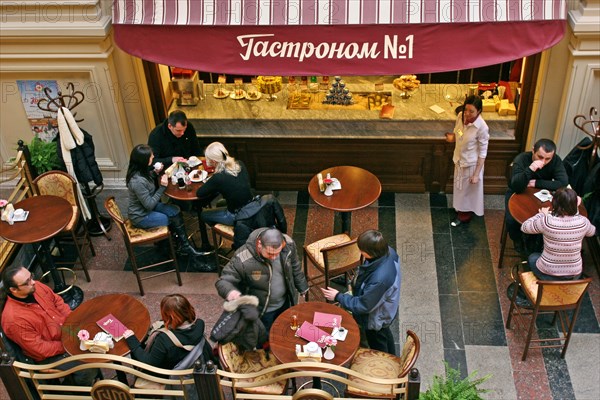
<point x="263" y="212"/>
<point x="84" y="160"/>
<point x="553" y="176"/>
<point x="240" y="324"/>
<point x="166" y="146"/>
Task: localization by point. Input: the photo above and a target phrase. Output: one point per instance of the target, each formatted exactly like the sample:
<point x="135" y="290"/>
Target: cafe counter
<point x="283" y="146"/>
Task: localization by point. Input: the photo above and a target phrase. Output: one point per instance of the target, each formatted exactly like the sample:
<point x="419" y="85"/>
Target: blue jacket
<point x="376" y="292"/>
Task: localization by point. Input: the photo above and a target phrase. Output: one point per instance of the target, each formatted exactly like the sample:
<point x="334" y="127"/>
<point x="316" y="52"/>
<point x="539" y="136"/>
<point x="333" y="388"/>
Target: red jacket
<point x="36" y="327"/>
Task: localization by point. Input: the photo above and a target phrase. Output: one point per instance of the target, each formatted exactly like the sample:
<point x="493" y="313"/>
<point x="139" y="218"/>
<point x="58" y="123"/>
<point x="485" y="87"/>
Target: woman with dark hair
<point x="160" y="350"/>
<point x="471" y="136"/>
<point x="563" y="230"/>
<point x="145" y="209"/>
<point x="375" y="291"/>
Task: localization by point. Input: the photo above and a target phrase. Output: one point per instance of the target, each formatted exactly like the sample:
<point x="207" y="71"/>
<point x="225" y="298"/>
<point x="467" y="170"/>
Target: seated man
<point x="33" y="316"/>
<point x="540" y="169"/>
<point x="267" y="267"/>
<point x="174" y="139"/>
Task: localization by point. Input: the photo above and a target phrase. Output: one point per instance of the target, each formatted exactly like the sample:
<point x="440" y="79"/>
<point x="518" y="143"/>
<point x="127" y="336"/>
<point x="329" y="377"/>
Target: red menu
<point x="327" y="320"/>
<point x="311" y="333"/>
<point x="111" y="325"/>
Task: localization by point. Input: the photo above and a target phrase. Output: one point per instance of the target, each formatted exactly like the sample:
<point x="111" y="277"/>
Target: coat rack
<point x="70" y="100"/>
<point x="98" y="224"/>
<point x="591" y="127"/>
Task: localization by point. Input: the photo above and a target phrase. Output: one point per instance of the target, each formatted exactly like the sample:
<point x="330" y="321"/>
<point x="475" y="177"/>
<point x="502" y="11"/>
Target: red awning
<point x="336" y="37"/>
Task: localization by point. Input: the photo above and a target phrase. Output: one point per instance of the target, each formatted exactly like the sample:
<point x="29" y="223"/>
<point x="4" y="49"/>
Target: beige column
<point x="72" y="42"/>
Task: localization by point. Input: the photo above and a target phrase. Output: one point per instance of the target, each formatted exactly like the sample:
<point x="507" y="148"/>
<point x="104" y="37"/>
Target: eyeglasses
<point x="27" y="282"/>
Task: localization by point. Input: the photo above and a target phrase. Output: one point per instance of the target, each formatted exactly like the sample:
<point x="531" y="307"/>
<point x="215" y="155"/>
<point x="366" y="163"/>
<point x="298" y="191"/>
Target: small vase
<point x="329" y="354"/>
<point x="328" y="191"/>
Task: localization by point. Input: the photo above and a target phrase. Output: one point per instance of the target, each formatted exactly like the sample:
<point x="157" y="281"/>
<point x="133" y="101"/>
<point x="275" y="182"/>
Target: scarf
<point x="71" y="137"/>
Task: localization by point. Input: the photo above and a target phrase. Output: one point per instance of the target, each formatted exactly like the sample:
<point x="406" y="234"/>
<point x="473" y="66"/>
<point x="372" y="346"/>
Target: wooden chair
<point x="332" y="256"/>
<point x="139" y="237"/>
<point x="548" y="297"/>
<point x="378" y="364"/>
<point x="233" y="360"/>
<point x="221" y="232"/>
<point x="61" y="184"/>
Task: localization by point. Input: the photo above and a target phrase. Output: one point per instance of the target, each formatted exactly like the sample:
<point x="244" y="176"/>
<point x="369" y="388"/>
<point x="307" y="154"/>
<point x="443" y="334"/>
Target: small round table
<point x="48" y="215"/>
<point x="360" y="189"/>
<point x="525" y="205"/>
<point x="283" y="340"/>
<point x="130" y="311"/>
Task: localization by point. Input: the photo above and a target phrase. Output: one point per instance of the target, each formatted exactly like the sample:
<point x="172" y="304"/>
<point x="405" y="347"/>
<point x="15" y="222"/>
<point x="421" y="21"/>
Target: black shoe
<point x="198" y="265"/>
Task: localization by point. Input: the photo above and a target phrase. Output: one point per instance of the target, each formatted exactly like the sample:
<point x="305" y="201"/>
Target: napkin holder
<point x="8" y="214"/>
<point x="101" y="343"/>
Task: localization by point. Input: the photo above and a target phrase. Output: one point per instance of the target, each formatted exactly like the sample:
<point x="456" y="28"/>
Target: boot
<point x="184" y="246"/>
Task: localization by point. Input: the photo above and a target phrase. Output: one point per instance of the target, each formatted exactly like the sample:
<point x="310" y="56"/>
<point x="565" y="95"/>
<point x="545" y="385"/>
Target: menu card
<point x="111" y="325"/>
<point x="311" y="333"/>
<point x="327" y="320"/>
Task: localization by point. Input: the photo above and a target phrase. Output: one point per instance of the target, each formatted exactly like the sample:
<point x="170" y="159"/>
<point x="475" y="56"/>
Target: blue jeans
<point x="159" y="216"/>
<point x="531" y="262"/>
<point x="219" y="215"/>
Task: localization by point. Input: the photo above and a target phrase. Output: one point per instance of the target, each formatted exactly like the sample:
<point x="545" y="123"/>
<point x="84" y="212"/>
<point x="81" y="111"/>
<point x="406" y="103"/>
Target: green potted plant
<point x="44" y="155"/>
<point x="452" y="387"/>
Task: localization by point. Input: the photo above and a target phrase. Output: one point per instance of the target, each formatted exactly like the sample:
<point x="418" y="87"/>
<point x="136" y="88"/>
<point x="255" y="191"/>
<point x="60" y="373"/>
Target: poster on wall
<point x="43" y="123"/>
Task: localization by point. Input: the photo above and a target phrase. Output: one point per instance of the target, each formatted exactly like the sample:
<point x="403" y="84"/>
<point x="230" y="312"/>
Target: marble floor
<point x="453" y="294"/>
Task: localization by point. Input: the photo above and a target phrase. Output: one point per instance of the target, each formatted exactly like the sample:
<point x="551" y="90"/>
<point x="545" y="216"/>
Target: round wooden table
<point x="283" y="340"/>
<point x="130" y="311"/>
<point x="48" y="215"/>
<point x="360" y="189"/>
<point x="525" y="205"/>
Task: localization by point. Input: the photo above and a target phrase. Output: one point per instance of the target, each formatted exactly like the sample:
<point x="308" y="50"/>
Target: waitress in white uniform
<point x="471" y="143"/>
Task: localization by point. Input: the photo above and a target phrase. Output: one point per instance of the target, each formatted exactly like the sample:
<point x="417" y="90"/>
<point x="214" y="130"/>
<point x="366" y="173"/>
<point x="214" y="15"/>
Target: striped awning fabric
<point x="332" y="12"/>
<point x="336" y="37"/>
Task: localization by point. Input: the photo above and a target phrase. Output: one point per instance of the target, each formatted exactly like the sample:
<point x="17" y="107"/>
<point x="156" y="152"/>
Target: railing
<point x="204" y="381"/>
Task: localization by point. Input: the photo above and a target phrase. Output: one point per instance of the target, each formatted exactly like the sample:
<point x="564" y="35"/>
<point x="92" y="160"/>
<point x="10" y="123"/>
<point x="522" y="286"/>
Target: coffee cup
<point x="545" y="192"/>
<point x="311" y="347"/>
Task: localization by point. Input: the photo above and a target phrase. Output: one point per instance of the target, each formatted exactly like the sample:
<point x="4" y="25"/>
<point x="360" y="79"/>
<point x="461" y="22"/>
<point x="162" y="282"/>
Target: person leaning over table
<point x="267" y="267"/>
<point x="159" y="350"/>
<point x="145" y="209"/>
<point x="174" y="139"/>
<point x="563" y="230"/>
<point x="375" y="291"/>
<point x="471" y="144"/>
<point x="230" y="180"/>
<point x="32" y="317"/>
<point x="540" y="168"/>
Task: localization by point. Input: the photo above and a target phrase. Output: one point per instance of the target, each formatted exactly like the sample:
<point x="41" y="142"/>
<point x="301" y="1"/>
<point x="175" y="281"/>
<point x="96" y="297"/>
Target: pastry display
<point x="269" y="84"/>
<point x="407" y="83"/>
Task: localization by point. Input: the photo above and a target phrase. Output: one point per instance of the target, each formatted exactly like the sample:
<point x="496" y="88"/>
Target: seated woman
<point x="563" y="230"/>
<point x="159" y="350"/>
<point x="231" y="180"/>
<point x="145" y="208"/>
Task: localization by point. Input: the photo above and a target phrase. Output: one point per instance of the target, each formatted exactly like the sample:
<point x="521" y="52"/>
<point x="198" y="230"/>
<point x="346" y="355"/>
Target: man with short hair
<point x="174" y="140"/>
<point x="266" y="266"/>
<point x="375" y="291"/>
<point x="33" y="316"/>
<point x="541" y="168"/>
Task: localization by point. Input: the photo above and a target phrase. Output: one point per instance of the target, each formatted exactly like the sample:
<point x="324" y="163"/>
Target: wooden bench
<point x="17" y="171"/>
<point x="204" y="381"/>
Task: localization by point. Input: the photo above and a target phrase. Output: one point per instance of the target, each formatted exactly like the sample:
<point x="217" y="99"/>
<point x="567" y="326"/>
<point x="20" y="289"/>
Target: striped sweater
<point x="562" y="242"/>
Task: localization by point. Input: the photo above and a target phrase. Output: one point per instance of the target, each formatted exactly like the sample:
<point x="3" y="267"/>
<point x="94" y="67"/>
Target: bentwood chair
<point x="378" y="364"/>
<point x="244" y="362"/>
<point x="547" y="297"/>
<point x="111" y="389"/>
<point x="134" y="237"/>
<point x="61" y="184"/>
<point x="333" y="256"/>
